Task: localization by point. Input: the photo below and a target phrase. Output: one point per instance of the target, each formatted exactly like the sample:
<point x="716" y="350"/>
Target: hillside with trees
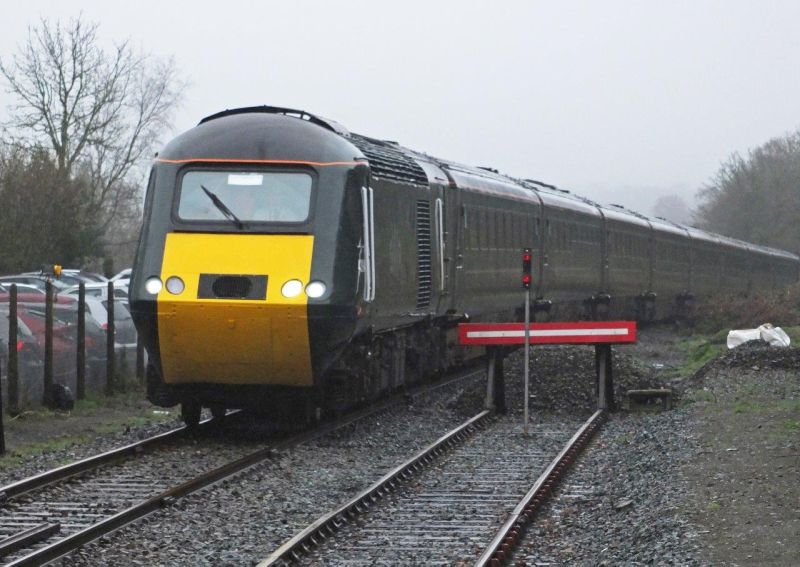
<point x="757" y="197"/>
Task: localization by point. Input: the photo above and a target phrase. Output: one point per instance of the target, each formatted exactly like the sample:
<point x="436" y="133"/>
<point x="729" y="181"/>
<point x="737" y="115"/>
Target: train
<point x="290" y="267"/>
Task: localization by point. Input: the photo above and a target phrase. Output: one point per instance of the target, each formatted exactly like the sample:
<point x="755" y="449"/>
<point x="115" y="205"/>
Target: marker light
<point x="292" y="288"/>
<point x="316" y="289"/>
<point x="175" y="285"/>
<point x="153" y="285"/>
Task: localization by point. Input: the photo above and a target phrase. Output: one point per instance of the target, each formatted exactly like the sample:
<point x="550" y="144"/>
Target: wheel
<point x="218" y="412"/>
<point x="190" y="413"/>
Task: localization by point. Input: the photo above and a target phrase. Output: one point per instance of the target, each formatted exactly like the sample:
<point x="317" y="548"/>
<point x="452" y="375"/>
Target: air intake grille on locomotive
<point x="226" y="286"/>
<point x="388" y="162"/>
<point x="424" y="275"/>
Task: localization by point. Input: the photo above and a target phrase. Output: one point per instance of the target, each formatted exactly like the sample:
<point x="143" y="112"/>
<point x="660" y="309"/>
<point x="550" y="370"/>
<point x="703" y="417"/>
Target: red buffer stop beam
<point x="582" y="332"/>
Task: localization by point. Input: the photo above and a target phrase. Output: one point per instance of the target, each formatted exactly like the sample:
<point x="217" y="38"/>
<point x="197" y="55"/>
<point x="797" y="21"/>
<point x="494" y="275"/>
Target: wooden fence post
<point x="47" y="394"/>
<point x="13" y="353"/>
<point x="81" y="342"/>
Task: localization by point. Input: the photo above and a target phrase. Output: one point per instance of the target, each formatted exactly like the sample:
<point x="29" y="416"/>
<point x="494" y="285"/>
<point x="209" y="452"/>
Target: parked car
<point x="37" y="281"/>
<point x="94" y="340"/>
<point x="21" y="288"/>
<point x="67" y="279"/>
<point x="29" y="361"/>
<point x="100" y="291"/>
<point x="124" y="329"/>
<point x="64" y="347"/>
<point x="88" y="277"/>
<point x="124" y="277"/>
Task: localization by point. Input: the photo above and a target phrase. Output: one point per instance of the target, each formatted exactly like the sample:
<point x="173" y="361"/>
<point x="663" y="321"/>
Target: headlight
<point x="153" y="285"/>
<point x="292" y="288"/>
<point x="316" y="289"/>
<point x="175" y="285"/>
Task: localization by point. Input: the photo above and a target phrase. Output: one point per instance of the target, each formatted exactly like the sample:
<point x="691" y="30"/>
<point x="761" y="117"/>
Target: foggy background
<point x="624" y="102"/>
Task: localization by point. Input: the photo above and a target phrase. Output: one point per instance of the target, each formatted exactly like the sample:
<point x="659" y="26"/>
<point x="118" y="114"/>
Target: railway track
<point x="47" y="516"/>
<point x="443" y="505"/>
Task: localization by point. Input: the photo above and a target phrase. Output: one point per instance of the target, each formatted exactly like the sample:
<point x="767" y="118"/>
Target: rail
<point x="501" y="548"/>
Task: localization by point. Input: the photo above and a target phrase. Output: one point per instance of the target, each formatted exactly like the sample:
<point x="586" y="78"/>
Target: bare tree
<point x="99" y="111"/>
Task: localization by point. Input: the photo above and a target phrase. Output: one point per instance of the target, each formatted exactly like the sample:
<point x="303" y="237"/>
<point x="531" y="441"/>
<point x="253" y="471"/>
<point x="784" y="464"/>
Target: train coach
<point x="291" y="267"/>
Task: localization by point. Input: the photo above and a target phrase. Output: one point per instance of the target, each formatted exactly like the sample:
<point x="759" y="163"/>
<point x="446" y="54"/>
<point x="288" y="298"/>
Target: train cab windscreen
<point x="244" y="196"/>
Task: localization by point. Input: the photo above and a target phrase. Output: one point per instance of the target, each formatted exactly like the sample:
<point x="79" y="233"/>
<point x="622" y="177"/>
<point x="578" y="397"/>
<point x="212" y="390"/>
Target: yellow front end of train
<point x="229" y="340"/>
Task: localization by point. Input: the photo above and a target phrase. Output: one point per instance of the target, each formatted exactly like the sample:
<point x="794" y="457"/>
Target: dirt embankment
<point x="744" y="479"/>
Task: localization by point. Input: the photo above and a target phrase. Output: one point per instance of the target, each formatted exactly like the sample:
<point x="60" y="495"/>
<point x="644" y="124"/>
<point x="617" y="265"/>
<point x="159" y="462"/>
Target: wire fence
<point x="60" y="349"/>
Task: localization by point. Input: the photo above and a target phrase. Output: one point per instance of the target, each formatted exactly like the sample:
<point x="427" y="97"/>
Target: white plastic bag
<point x="774" y="336"/>
<point x="739" y="336"/>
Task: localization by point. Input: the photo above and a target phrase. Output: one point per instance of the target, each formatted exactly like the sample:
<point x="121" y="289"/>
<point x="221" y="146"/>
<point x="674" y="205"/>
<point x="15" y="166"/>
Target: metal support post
<point x="499" y="381"/>
<point x="495" y="383"/>
<point x="527" y="354"/>
<point x="110" y="354"/>
<point x="81" y="342"/>
<point x="490" y="360"/>
<point x="13" y="353"/>
<point x="605" y="377"/>
<point x="47" y="394"/>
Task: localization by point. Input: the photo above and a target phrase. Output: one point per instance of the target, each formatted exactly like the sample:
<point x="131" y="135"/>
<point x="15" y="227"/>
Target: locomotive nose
<point x="228" y="312"/>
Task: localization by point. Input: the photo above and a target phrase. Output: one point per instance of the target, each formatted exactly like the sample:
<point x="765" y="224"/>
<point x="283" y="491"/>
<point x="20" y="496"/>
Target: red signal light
<point x="526" y="268"/>
<point x="20" y="346"/>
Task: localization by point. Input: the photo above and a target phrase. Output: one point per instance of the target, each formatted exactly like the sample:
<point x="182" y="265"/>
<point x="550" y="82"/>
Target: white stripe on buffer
<point x="546" y="333"/>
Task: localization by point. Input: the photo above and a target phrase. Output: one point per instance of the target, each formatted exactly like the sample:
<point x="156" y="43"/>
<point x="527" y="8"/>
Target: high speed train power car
<point x="287" y="265"/>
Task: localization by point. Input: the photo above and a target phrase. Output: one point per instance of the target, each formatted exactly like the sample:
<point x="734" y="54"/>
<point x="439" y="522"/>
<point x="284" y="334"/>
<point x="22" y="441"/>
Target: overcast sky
<point x="619" y="101"/>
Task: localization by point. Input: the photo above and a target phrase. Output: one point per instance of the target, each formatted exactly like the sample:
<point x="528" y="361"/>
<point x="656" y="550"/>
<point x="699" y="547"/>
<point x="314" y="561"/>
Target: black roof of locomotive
<point x="261" y="136"/>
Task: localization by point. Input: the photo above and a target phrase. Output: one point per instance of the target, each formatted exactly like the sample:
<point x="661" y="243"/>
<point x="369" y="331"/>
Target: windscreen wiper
<point x="223" y="208"/>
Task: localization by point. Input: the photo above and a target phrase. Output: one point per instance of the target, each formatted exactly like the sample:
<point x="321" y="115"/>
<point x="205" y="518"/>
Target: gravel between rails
<point x="241" y="520"/>
<point x="451" y="511"/>
<point x="78" y="503"/>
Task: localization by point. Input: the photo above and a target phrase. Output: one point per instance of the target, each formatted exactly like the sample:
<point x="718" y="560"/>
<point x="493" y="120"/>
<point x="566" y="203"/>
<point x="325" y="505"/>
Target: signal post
<point x="498" y="336"/>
